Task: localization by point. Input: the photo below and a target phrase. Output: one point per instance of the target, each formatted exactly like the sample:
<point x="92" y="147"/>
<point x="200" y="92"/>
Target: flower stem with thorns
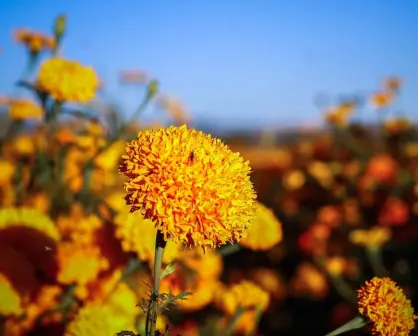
<point x="152" y="312"/>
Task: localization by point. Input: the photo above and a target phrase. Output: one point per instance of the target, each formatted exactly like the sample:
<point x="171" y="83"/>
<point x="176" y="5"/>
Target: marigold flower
<point x="10" y="301"/>
<point x="207" y="265"/>
<point x="382" y="168"/>
<point x="246" y="295"/>
<point x="382" y="99"/>
<point x="194" y="188"/>
<point x="22" y="109"/>
<point x="270" y="281"/>
<point x="309" y="281"/>
<point x="294" y="180"/>
<point x="138" y="235"/>
<point x="7" y="169"/>
<point x="265" y="231"/>
<point x="67" y="80"/>
<point x="373" y="238"/>
<point x="96" y="320"/>
<point x="394" y="212"/>
<point x="387" y="307"/>
<point x="338" y="116"/>
<point x="34" y="41"/>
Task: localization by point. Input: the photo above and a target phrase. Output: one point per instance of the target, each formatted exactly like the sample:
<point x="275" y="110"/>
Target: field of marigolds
<point x="111" y="226"/>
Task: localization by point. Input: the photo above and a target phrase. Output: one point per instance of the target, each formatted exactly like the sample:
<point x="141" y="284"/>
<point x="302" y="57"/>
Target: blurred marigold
<point x="269" y="280"/>
<point x="394" y="212"/>
<point x="246" y="295"/>
<point x="294" y="179"/>
<point x="395" y="126"/>
<point x="138" y="235"/>
<point x="22" y="109"/>
<point x="373" y="238"/>
<point x="265" y="231"/>
<point x="28" y="217"/>
<point x="387" y="307"/>
<point x="10" y="301"/>
<point x="195" y="189"/>
<point x="338" y="116"/>
<point x="67" y="80"/>
<point x="382" y="168"/>
<point x="96" y="320"/>
<point x="309" y="281"/>
<point x="382" y="100"/>
<point x="34" y="41"/>
<point x="207" y="265"/>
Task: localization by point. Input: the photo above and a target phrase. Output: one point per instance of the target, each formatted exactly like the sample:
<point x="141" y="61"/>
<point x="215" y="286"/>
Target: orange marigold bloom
<point x="338" y="116"/>
<point x="208" y="265"/>
<point x="246" y="295"/>
<point x="67" y="80"/>
<point x="195" y="189"/>
<point x="393" y="83"/>
<point x="270" y="281"/>
<point x="394" y="212"/>
<point x="309" y="281"/>
<point x="22" y="109"/>
<point x="387" y="307"/>
<point x="265" y="231"/>
<point x="34" y="41"/>
<point x="382" y="99"/>
<point x="382" y="168"/>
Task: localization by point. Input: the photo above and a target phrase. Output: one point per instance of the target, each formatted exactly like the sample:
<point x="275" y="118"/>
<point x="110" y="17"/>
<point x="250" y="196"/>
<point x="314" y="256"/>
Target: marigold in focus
<point x="195" y="189"/>
<point x="22" y="109"/>
<point x="67" y="80"/>
<point x="386" y="306"/>
<point x="35" y="42"/>
<point x="265" y="231"/>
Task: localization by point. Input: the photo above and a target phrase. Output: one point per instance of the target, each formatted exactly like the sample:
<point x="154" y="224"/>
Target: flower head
<point x="265" y="231"/>
<point x="194" y="188"/>
<point x="67" y="80"/>
<point x="21" y="109"/>
<point x="387" y="307"/>
<point x="34" y="41"/>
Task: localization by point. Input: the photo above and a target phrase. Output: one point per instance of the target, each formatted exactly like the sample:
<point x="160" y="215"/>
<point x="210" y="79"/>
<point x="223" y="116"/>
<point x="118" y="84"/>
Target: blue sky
<point x="233" y="63"/>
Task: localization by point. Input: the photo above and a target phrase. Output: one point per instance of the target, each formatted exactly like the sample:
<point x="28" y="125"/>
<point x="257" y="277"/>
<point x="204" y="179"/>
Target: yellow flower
<point x="28" y="217"/>
<point x="22" y="109"/>
<point x="338" y="116"/>
<point x="67" y="80"/>
<point x="270" y="281"/>
<point x="387" y="307"/>
<point x="34" y="41"/>
<point x="382" y="99"/>
<point x="246" y="295"/>
<point x="373" y="238"/>
<point x="207" y="265"/>
<point x="265" y="231"/>
<point x="7" y="169"/>
<point x="138" y="235"/>
<point x="294" y="180"/>
<point x="24" y="145"/>
<point x="194" y="188"/>
<point x="10" y="301"/>
<point x="96" y="320"/>
<point x="322" y="173"/>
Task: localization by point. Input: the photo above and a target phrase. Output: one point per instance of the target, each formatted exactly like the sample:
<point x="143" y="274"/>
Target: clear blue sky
<point x="235" y="62"/>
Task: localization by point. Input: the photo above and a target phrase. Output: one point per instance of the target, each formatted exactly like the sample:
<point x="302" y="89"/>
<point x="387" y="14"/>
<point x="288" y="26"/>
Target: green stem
<point x="356" y="323"/>
<point x="232" y="324"/>
<point x="152" y="312"/>
<point x="375" y="258"/>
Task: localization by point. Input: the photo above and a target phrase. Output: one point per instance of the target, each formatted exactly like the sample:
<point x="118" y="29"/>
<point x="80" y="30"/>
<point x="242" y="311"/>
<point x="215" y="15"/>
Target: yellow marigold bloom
<point x="309" y="281"/>
<point x="138" y="235"/>
<point x="79" y="264"/>
<point x="208" y="264"/>
<point x="338" y="116"/>
<point x="22" y="109"/>
<point x="96" y="320"/>
<point x="7" y="169"/>
<point x="245" y="295"/>
<point x="24" y="145"/>
<point x="322" y="173"/>
<point x="28" y="217"/>
<point x="294" y="180"/>
<point x="34" y="41"/>
<point x="373" y="238"/>
<point x="67" y="80"/>
<point x="386" y="306"/>
<point x="10" y="301"/>
<point x="270" y="281"/>
<point x="265" y="231"/>
<point x="195" y="189"/>
<point x="382" y="99"/>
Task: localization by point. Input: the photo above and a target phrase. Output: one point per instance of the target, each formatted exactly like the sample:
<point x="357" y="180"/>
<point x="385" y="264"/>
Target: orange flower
<point x="265" y="231"/>
<point x="309" y="281"/>
<point x="294" y="180"/>
<point x="315" y="239"/>
<point x="382" y="168"/>
<point x="394" y="212"/>
<point x="385" y="305"/>
<point x="67" y="80"/>
<point x="22" y="109"/>
<point x="338" y="116"/>
<point x="34" y="41"/>
<point x="339" y="266"/>
<point x="373" y="238"/>
<point x="330" y="215"/>
<point x="194" y="188"/>
<point x="270" y="281"/>
<point x="382" y="99"/>
<point x="392" y="84"/>
<point x="207" y="265"/>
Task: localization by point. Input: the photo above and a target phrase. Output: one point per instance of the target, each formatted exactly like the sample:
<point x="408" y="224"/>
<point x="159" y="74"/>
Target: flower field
<point x="112" y="226"/>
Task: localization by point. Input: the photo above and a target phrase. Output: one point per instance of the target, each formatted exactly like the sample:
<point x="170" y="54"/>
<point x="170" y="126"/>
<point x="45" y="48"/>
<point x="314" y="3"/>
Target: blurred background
<point x="319" y="96"/>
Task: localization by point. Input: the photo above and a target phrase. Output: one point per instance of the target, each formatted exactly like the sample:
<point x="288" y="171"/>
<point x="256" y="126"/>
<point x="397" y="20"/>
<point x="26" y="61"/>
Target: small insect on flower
<point x="191" y="157"/>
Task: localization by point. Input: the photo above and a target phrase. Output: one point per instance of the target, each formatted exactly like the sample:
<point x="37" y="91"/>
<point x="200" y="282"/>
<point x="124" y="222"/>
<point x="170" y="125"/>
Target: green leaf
<point x="169" y="269"/>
